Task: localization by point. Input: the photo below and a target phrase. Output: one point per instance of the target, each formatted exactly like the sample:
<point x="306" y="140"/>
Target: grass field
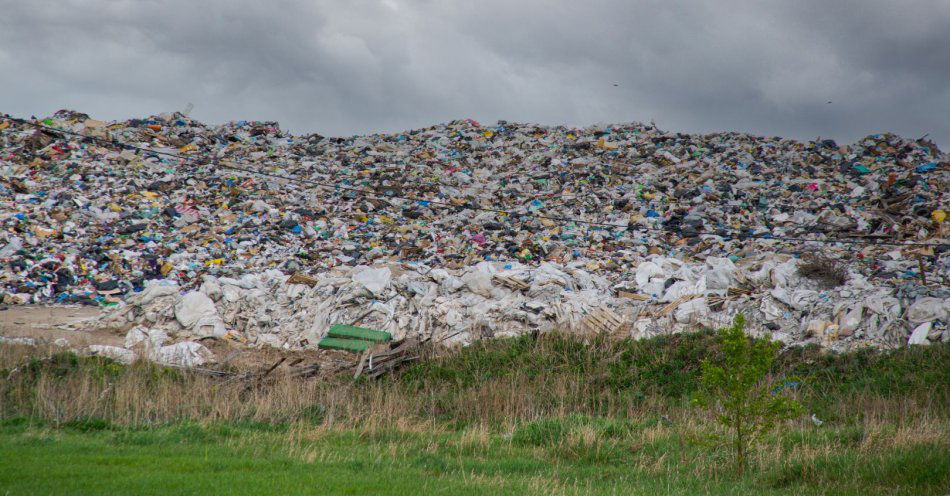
<point x="556" y="456"/>
<point x="518" y="416"/>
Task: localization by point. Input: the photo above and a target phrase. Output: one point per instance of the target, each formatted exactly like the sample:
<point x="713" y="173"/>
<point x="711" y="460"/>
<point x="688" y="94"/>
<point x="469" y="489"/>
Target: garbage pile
<point x="663" y="295"/>
<point x="462" y="231"/>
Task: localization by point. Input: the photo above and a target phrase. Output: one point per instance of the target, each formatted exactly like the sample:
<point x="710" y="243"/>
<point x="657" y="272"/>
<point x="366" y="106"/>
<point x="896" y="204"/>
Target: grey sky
<point x="358" y="66"/>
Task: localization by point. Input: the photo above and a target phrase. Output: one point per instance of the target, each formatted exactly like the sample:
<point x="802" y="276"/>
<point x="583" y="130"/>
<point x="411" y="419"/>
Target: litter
<point x="116" y="353"/>
<point x="460" y="231"/>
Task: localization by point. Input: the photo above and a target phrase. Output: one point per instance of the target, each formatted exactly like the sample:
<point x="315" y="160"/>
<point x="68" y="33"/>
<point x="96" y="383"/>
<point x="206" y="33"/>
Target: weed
<point x="314" y="414"/>
<point x="88" y="425"/>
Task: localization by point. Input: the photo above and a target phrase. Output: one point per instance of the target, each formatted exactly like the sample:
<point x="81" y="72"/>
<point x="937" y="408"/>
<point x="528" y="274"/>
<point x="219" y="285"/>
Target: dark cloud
<point x="766" y="67"/>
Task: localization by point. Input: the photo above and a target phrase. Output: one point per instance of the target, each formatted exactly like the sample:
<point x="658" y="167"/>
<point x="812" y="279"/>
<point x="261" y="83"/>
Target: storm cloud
<point x="360" y="66"/>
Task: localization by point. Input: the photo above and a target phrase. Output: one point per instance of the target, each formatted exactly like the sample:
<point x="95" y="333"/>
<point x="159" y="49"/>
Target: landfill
<point x="463" y="231"/>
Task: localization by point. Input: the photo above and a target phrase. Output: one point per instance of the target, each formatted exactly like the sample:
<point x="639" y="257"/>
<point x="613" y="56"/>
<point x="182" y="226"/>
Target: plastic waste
<point x="462" y="231"/>
<point x="116" y="353"/>
<point x="185" y="354"/>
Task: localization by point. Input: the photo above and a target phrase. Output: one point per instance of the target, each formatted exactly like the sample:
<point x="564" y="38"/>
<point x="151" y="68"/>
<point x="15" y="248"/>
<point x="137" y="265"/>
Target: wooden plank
<point x="301" y="278"/>
<point x="602" y="319"/>
<point x="676" y="303"/>
<point x="359" y="367"/>
<point x="738" y="292"/>
<point x="633" y="296"/>
<point x="511" y="282"/>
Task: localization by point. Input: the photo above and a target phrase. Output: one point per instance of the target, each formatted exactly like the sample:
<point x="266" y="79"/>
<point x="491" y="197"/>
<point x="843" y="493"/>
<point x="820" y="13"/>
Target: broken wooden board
<point x="511" y="282"/>
<point x="386" y="357"/>
<point x="603" y="320"/>
<point x="633" y="296"/>
<point x="663" y="312"/>
<point x="301" y="278"/>
<point x="735" y="292"/>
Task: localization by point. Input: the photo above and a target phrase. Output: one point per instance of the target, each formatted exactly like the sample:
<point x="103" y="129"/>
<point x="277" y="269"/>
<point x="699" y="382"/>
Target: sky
<point x="838" y="69"/>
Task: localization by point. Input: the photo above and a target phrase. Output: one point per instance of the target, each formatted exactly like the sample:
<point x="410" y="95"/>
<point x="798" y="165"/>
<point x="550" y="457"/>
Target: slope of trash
<point x="461" y="231"/>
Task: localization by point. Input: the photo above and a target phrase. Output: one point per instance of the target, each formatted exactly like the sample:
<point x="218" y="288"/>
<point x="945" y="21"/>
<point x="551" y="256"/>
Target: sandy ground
<point x="49" y="323"/>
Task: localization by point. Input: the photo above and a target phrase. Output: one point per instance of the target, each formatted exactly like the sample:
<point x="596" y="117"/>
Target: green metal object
<point x="354" y="345"/>
<point x="351" y="332"/>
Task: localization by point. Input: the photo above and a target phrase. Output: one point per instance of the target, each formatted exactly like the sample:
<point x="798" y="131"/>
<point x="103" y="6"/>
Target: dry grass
<point x="828" y="272"/>
<point x="143" y="394"/>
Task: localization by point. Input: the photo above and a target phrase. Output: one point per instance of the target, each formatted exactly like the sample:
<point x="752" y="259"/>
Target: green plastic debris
<point x="862" y="169"/>
<point x="351" y="332"/>
<point x="354" y="345"/>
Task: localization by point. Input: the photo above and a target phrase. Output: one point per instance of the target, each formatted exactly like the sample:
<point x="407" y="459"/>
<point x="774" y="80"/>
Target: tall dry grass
<point x="143" y="394"/>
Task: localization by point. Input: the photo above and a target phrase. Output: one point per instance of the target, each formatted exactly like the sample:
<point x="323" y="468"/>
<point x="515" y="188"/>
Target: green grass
<point x="669" y="367"/>
<point x="162" y="463"/>
<point x="552" y="415"/>
<point x="546" y="457"/>
<point x="919" y="469"/>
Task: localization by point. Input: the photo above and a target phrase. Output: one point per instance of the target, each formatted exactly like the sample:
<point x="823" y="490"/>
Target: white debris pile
<point x="493" y="299"/>
<point x="150" y="345"/>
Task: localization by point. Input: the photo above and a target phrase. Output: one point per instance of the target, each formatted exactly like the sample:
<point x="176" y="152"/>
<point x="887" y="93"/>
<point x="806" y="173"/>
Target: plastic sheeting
<point x="459" y="306"/>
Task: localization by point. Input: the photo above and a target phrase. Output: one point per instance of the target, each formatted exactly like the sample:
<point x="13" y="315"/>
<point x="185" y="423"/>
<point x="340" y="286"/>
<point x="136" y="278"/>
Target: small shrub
<point x="58" y="365"/>
<point x="736" y="391"/>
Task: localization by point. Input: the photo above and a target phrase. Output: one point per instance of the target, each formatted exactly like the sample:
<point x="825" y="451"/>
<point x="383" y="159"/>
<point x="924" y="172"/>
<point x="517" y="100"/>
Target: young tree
<point x="736" y="392"/>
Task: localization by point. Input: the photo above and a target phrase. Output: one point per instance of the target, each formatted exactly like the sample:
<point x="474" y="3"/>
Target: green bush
<point x="735" y="389"/>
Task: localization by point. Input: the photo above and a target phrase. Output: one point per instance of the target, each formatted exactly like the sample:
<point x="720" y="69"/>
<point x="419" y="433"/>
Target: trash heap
<point x="494" y="299"/>
<point x="461" y="231"/>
